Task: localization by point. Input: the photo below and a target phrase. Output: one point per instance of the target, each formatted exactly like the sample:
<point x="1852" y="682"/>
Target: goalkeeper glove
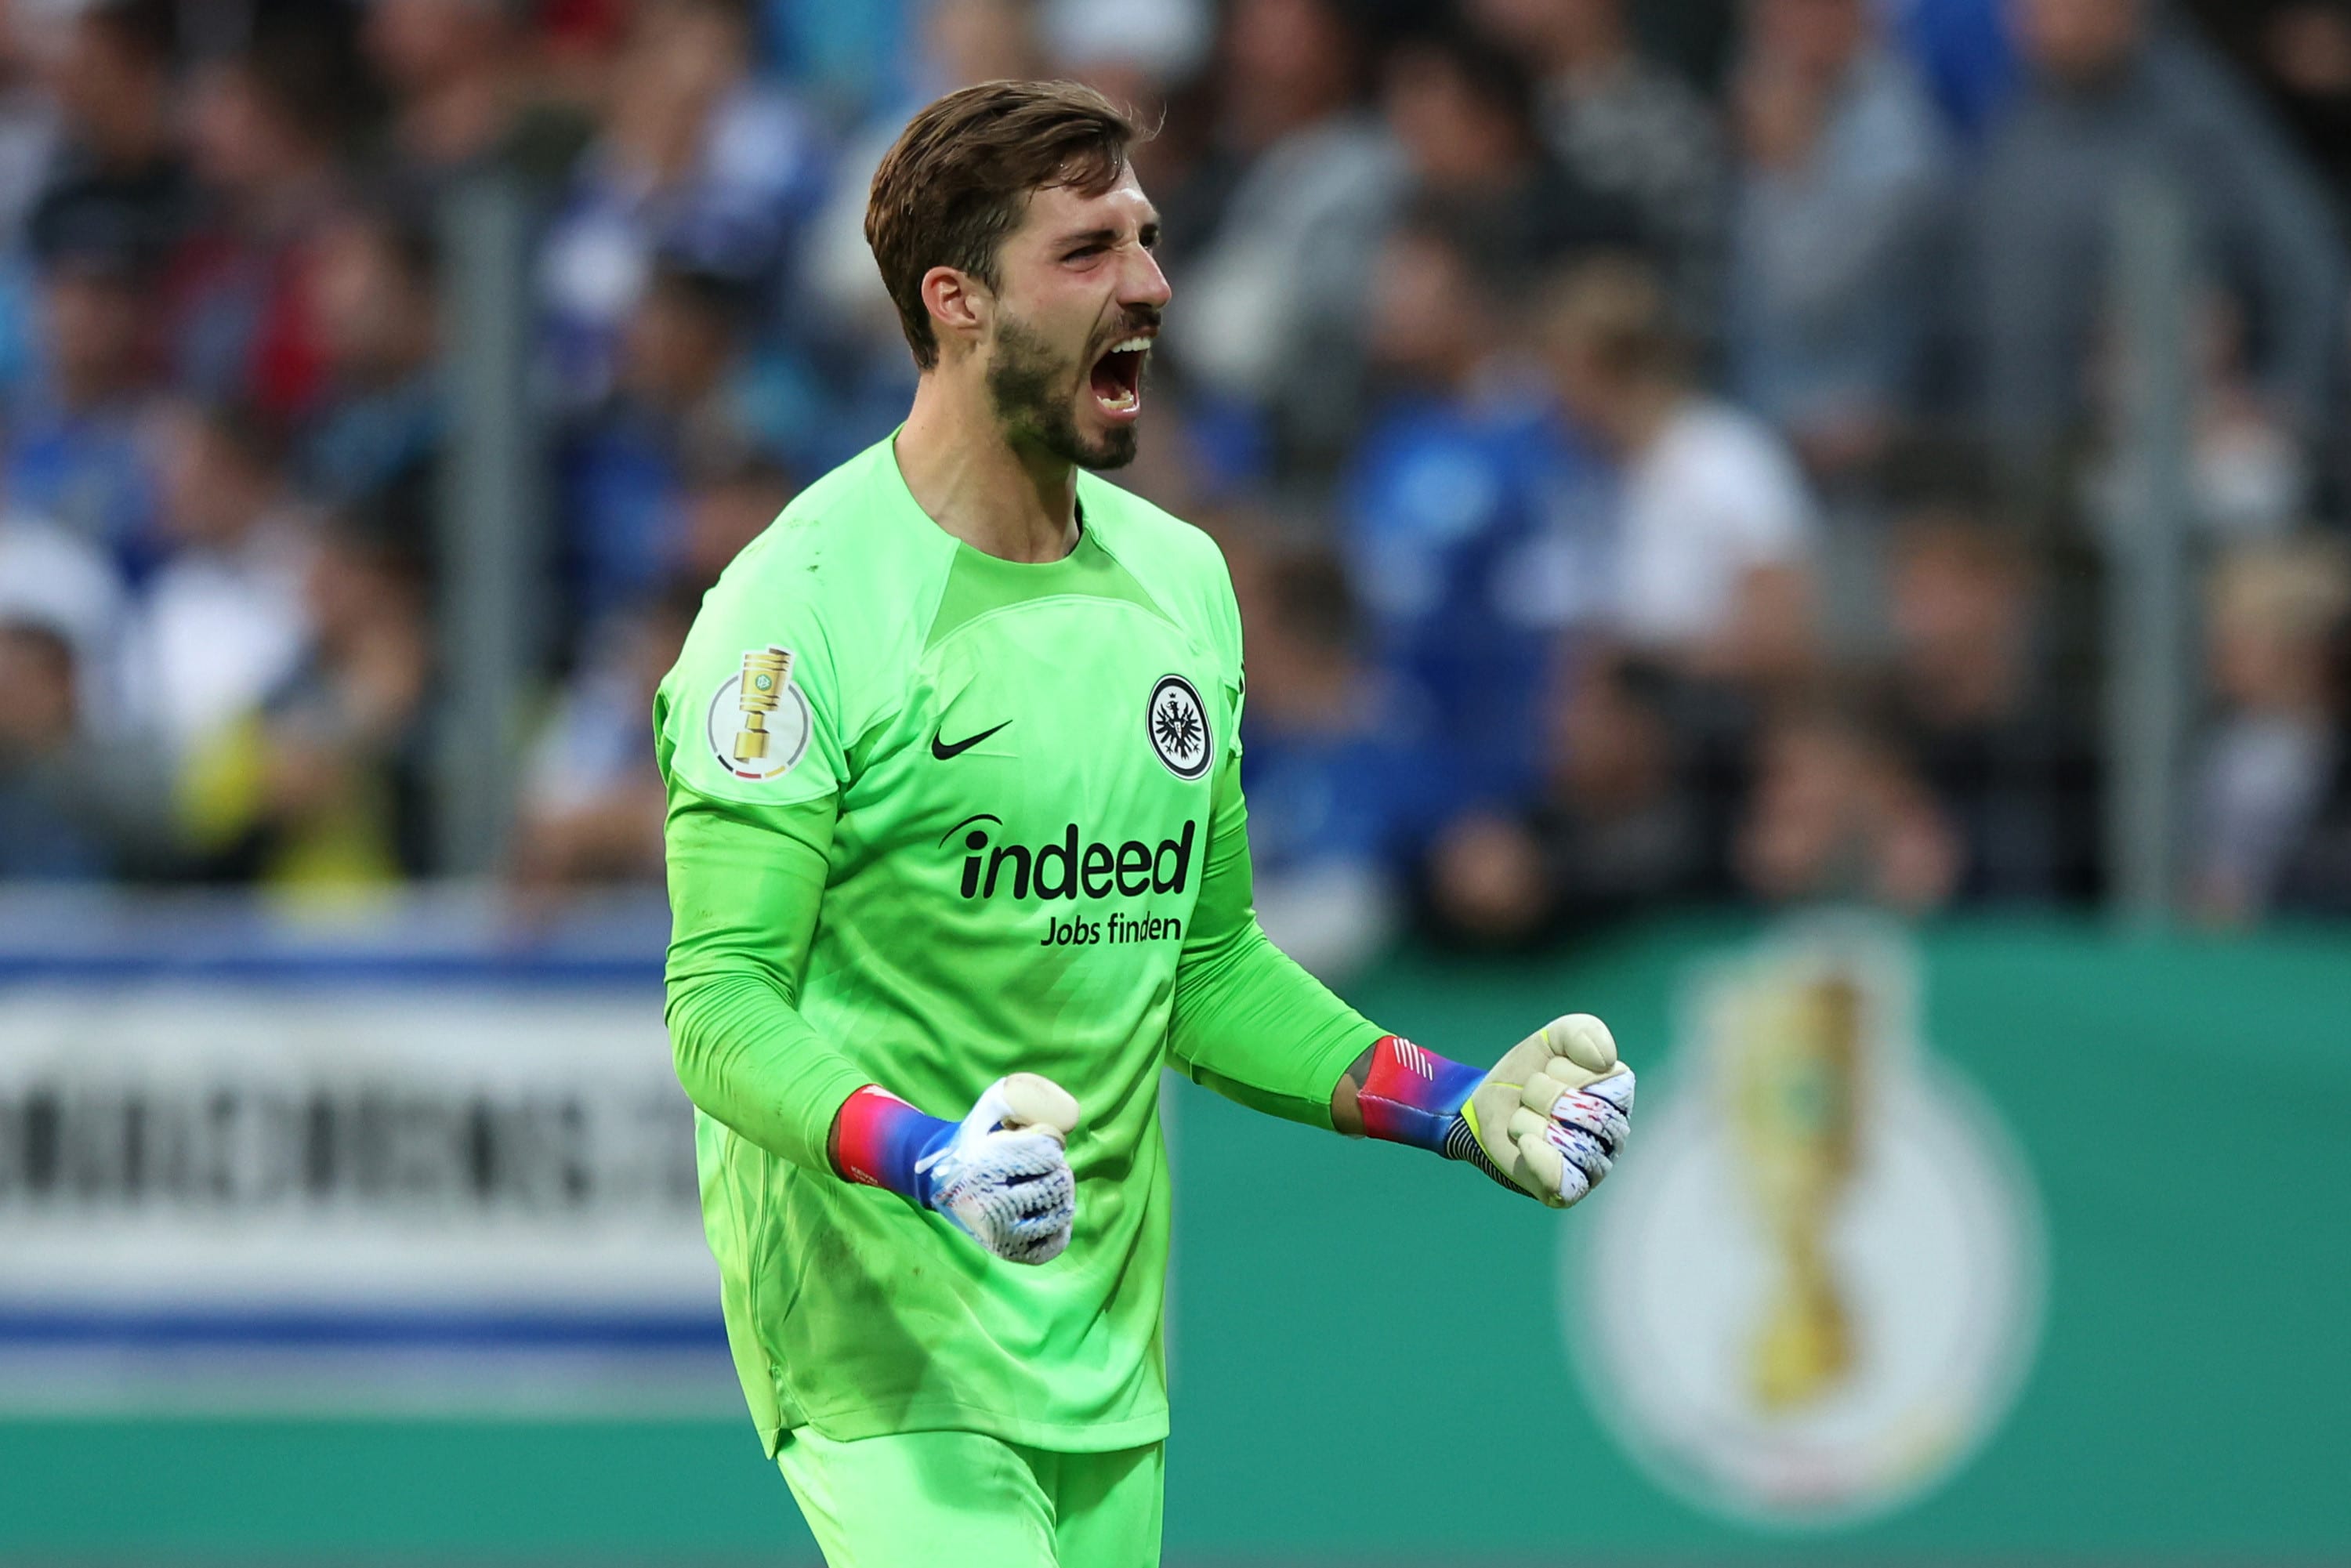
<point x="1002" y="1174"/>
<point x="1547" y="1120"/>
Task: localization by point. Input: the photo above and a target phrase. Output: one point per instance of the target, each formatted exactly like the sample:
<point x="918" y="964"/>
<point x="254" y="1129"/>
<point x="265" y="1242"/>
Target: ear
<point x="958" y="304"/>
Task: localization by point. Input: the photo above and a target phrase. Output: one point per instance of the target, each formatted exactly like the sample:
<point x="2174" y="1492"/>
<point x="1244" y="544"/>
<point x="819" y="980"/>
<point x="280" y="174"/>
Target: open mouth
<point x="1116" y="378"/>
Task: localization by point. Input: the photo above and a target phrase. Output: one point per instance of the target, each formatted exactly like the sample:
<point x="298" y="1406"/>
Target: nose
<point x="1144" y="284"/>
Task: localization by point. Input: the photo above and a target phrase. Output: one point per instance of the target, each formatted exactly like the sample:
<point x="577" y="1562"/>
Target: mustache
<point x="1138" y="318"/>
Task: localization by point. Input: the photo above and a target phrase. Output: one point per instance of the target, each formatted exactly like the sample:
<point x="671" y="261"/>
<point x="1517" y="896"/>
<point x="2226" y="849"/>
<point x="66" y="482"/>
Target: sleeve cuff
<point x="822" y="1105"/>
<point x="1332" y="1063"/>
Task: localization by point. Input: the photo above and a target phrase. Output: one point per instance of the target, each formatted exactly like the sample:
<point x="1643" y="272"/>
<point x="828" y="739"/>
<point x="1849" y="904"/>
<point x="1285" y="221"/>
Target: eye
<point x="1149" y="236"/>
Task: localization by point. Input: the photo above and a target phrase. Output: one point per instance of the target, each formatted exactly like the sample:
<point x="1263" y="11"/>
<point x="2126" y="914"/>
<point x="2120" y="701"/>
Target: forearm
<point x="749" y="857"/>
<point x="1257" y="1028"/>
<point x="1002" y="1175"/>
<point x="1248" y="1022"/>
<point x="746" y="1058"/>
<point x="1546" y="1121"/>
<point x="744" y="897"/>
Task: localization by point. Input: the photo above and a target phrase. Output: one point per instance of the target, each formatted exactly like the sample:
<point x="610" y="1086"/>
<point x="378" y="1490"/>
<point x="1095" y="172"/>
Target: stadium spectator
<point x="2113" y="97"/>
<point x="683" y="400"/>
<point x="1269" y="313"/>
<point x="697" y="161"/>
<point x="729" y="501"/>
<point x="117" y="162"/>
<point x="1462" y="108"/>
<point x="75" y="801"/>
<point x="45" y="830"/>
<point x="1713" y="537"/>
<point x="1450" y="522"/>
<point x="108" y="180"/>
<point x="1970" y="702"/>
<point x="75" y="444"/>
<point x="368" y="288"/>
<point x="319" y="790"/>
<point x="1841" y="169"/>
<point x="54" y="578"/>
<point x="222" y="623"/>
<point x="1336" y="758"/>
<point x="2277" y="614"/>
<point x="269" y="130"/>
<point x="452" y="69"/>
<point x="848" y="313"/>
<point x="591" y="803"/>
<point x="1631" y="129"/>
<point x="1840" y="814"/>
<point x="1615" y="830"/>
<point x="29" y="122"/>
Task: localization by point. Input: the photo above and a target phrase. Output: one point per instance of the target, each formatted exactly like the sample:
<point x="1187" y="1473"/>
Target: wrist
<point x="1411" y="1095"/>
<point x="879" y="1140"/>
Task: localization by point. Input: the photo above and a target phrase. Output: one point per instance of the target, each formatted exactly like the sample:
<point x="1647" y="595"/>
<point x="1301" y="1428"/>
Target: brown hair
<point x="961" y="174"/>
<point x="1614" y="308"/>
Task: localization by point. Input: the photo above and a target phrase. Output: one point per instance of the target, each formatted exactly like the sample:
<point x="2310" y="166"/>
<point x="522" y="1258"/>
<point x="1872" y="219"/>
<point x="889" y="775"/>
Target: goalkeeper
<point x="958" y="861"/>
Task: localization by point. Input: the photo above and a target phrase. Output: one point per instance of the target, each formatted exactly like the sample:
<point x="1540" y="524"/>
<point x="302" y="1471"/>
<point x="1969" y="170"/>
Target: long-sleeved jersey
<point x="935" y="817"/>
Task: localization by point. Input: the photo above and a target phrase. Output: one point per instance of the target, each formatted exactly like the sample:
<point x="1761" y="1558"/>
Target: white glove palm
<point x="1551" y="1116"/>
<point x="1005" y="1175"/>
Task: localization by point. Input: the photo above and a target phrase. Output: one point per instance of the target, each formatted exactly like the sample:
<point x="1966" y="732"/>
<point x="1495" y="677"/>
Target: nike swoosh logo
<point x="945" y="752"/>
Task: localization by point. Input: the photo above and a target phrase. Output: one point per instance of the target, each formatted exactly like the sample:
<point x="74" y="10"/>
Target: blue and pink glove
<point x="1002" y="1174"/>
<point x="1547" y="1120"/>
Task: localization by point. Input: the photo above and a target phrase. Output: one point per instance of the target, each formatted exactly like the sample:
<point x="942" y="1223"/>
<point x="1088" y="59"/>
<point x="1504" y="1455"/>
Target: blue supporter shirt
<point x="1365" y="794"/>
<point x="1470" y="529"/>
<point x="90" y="471"/>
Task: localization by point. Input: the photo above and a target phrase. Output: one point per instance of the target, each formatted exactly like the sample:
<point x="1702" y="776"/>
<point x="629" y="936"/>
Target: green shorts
<point x="917" y="1500"/>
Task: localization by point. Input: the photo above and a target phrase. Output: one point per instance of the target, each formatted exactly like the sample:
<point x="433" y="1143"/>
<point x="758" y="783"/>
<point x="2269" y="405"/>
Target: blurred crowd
<point x="1667" y="452"/>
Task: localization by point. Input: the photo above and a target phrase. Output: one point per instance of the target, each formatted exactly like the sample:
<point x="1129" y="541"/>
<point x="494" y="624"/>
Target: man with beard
<point x="958" y="861"/>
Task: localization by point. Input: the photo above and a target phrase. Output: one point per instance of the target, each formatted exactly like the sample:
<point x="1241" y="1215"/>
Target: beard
<point x="1031" y="386"/>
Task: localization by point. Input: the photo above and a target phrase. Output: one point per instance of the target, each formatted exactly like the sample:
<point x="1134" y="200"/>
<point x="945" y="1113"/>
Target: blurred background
<point x="1815" y="529"/>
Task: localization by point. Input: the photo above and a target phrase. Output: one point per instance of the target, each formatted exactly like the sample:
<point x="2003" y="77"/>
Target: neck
<point x="1641" y="414"/>
<point x="1006" y="500"/>
<point x="245" y="515"/>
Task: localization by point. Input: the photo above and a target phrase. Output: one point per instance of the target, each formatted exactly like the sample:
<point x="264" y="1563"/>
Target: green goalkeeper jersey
<point x="935" y="817"/>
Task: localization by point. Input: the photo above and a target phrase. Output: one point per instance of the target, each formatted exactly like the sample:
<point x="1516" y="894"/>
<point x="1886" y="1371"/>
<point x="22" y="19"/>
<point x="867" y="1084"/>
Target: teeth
<point x="1132" y="345"/>
<point x="1123" y="401"/>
